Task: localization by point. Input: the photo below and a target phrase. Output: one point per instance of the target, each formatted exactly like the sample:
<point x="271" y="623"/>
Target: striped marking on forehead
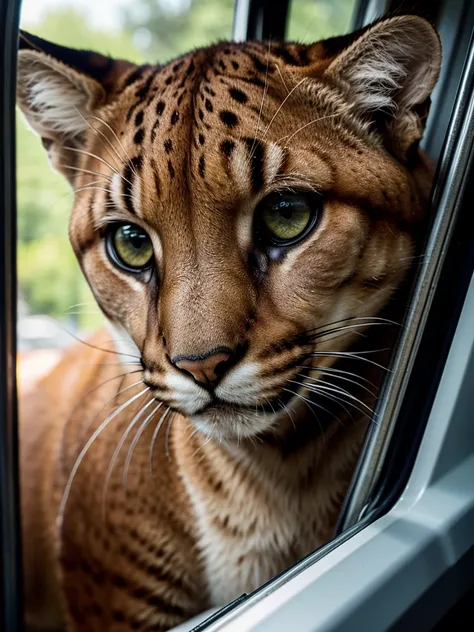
<point x="253" y="163"/>
<point x="125" y="190"/>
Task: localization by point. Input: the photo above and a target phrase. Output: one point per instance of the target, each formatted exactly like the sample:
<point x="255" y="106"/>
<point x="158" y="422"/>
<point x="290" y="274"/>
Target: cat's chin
<point x="228" y="423"/>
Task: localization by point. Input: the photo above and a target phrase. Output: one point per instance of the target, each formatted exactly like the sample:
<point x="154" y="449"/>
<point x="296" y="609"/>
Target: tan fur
<point x="211" y="501"/>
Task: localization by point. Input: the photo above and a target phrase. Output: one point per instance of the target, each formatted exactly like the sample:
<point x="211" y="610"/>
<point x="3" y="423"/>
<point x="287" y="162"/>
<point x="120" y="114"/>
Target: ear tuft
<point x="54" y="98"/>
<point x="394" y="65"/>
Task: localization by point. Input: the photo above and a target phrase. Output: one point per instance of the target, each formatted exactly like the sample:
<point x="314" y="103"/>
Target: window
<point x="409" y="517"/>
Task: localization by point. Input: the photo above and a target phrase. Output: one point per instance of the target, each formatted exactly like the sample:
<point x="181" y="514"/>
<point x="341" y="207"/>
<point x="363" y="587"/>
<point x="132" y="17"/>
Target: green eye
<point x="288" y="216"/>
<point x="130" y="247"/>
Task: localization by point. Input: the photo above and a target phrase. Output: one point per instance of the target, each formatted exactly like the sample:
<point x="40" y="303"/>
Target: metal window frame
<point x="11" y="610"/>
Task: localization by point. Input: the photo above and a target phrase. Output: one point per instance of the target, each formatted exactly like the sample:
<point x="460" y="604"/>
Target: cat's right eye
<point x="129" y="247"/>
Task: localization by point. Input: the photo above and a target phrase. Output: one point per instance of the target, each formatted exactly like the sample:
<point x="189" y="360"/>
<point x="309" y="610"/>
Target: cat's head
<point x="233" y="204"/>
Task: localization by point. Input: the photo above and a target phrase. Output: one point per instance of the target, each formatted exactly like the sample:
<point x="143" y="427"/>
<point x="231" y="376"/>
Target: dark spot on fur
<point x="226" y="51"/>
<point x="255" y="81"/>
<point x="168" y="145"/>
<point x="222" y="65"/>
<point x="160" y="106"/>
<point x="139" y="136"/>
<point x="303" y="55"/>
<point x="118" y="581"/>
<point x="130" y="111"/>
<point x="259" y="65"/>
<point x="135" y="75"/>
<point x="171" y="169"/>
<point x="235" y="65"/>
<point x="140" y="592"/>
<point x="118" y="615"/>
<point x="201" y="115"/>
<point x="142" y="92"/>
<point x="202" y="166"/>
<point x="177" y="66"/>
<point x="238" y="95"/>
<point x="201" y="139"/>
<point x="96" y="610"/>
<point x="180" y="98"/>
<point x="285" y="54"/>
<point x="153" y="130"/>
<point x="137" y="162"/>
<point x="139" y="118"/>
<point x="174" y="117"/>
<point x="209" y="107"/>
<point x="229" y="118"/>
<point x="227" y="147"/>
<point x="169" y="80"/>
<point x="190" y="69"/>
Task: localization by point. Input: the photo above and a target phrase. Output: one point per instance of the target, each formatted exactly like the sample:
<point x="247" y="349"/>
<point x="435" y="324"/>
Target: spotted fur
<point x="184" y="501"/>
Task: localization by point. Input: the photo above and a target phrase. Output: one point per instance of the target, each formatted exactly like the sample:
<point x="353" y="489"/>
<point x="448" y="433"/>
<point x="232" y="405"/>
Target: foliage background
<point x="50" y="282"/>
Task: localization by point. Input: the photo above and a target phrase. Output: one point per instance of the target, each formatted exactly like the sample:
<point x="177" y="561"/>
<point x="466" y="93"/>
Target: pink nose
<point x="206" y="370"/>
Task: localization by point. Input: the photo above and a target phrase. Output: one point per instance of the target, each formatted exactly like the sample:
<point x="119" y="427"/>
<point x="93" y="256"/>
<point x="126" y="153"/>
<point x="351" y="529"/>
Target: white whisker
<point x="86" y="448"/>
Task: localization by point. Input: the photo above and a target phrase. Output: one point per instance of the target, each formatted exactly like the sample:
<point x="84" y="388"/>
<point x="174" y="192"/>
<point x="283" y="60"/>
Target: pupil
<point x="285" y="210"/>
<point x="135" y="239"/>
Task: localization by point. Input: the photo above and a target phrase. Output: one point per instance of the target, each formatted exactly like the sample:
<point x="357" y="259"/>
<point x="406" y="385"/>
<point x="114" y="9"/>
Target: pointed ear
<point x="59" y="88"/>
<point x="389" y="72"/>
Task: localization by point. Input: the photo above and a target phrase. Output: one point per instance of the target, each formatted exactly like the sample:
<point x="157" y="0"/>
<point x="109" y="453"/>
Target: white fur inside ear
<point x="54" y="98"/>
<point x="393" y="65"/>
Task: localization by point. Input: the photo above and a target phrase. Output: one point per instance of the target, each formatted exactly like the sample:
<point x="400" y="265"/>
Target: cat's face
<point x="234" y="204"/>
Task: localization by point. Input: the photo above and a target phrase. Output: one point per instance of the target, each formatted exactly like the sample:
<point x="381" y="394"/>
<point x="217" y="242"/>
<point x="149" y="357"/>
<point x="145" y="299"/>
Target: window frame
<point x="11" y="605"/>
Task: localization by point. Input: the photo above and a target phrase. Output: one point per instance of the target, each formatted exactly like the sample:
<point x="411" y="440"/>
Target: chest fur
<point x="255" y="527"/>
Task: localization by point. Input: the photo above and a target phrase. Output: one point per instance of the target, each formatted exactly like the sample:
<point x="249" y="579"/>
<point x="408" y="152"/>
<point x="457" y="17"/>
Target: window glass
<point x="312" y="20"/>
<point x="54" y="299"/>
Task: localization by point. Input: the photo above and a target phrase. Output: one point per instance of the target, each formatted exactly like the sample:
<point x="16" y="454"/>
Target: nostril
<point x="221" y="367"/>
<point x="206" y="368"/>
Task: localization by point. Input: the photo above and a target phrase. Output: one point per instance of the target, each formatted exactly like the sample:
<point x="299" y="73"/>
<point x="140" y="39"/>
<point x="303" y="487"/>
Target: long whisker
<point x="311" y="403"/>
<point x="88" y="344"/>
<point x="347" y="354"/>
<point x="135" y="441"/>
<point x="119" y="392"/>
<point x="168" y="430"/>
<point x="86" y="448"/>
<point x="281" y="105"/>
<point x="321" y="118"/>
<point x="362" y="321"/>
<point x="153" y="440"/>
<point x="331" y="369"/>
<point x="339" y="377"/>
<point x="88" y="153"/>
<point x="119" y="446"/>
<point x="102" y="135"/>
<point x="88" y="171"/>
<point x="265" y="90"/>
<point x="341" y="391"/>
<point x="129" y="160"/>
<point x="318" y="389"/>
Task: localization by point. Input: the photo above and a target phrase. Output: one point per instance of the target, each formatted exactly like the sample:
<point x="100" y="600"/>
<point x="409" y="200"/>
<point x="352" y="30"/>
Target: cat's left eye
<point x="286" y="217"/>
<point x="129" y="247"/>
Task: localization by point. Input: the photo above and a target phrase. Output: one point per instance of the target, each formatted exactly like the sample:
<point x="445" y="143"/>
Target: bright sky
<point x="104" y="13"/>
